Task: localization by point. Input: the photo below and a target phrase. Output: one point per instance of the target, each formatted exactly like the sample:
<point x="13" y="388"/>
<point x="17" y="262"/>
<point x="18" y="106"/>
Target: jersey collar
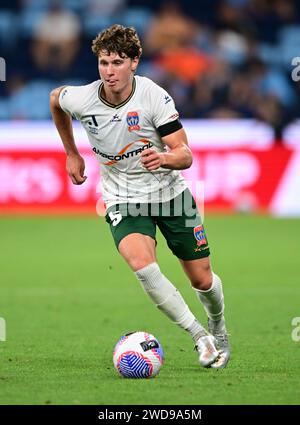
<point x="111" y="105"/>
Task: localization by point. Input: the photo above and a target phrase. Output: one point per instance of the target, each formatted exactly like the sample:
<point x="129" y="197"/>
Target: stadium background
<point x="231" y="66"/>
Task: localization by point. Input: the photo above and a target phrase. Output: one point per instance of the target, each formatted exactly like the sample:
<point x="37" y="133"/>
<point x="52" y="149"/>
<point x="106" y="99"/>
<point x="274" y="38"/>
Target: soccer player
<point x="134" y="131"/>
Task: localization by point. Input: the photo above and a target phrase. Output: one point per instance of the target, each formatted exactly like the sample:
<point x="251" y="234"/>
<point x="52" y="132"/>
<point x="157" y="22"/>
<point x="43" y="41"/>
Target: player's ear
<point x="134" y="64"/>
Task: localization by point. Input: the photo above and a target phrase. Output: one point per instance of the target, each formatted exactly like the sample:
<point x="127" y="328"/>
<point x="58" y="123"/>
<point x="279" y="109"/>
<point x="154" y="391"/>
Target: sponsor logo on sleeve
<point x="174" y="116"/>
<point x="167" y="99"/>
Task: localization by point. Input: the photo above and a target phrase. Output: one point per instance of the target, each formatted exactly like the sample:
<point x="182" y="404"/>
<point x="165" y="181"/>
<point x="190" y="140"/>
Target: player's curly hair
<point x="118" y="39"/>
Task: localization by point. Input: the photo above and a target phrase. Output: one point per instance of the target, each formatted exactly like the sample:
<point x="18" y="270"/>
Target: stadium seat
<point x="275" y="82"/>
<point x="77" y="6"/>
<point x="8" y="33"/>
<point x="27" y="22"/>
<point x="93" y="24"/>
<point x="32" y="101"/>
<point x="289" y="41"/>
<point x="4" y="109"/>
<point x="36" y="5"/>
<point x="137" y="17"/>
<point x="269" y="53"/>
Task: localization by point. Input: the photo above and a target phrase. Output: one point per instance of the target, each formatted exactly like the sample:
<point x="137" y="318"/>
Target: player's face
<point x="116" y="71"/>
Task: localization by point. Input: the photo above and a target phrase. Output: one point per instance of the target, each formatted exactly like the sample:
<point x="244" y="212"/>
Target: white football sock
<point x="213" y="302"/>
<point x="168" y="299"/>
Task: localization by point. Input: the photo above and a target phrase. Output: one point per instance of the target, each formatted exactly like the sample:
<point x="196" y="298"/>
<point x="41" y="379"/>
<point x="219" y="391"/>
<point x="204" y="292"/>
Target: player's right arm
<point x="63" y="122"/>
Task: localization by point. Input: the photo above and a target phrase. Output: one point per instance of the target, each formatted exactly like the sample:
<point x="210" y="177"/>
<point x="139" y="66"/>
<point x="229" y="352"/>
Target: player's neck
<point x="115" y="98"/>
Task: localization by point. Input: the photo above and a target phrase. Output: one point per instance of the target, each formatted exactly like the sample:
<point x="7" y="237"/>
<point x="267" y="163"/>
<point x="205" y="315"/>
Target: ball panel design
<point x="138" y="355"/>
<point x="134" y="365"/>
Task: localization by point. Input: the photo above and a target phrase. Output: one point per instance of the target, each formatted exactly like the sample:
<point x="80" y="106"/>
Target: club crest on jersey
<point x="200" y="235"/>
<point x="133" y="121"/>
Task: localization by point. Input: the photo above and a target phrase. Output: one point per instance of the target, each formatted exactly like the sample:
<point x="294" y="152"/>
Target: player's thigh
<point x="138" y="250"/>
<point x="184" y="232"/>
<point x="134" y="237"/>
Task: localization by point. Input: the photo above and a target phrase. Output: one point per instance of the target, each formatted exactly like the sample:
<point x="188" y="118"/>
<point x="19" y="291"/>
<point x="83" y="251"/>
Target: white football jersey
<point x="119" y="133"/>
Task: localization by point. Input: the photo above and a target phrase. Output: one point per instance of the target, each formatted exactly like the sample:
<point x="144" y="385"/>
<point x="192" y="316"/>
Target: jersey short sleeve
<point x="165" y="117"/>
<point x="68" y="100"/>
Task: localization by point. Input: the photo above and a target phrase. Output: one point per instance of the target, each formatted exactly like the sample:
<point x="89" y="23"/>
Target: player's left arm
<point x="178" y="157"/>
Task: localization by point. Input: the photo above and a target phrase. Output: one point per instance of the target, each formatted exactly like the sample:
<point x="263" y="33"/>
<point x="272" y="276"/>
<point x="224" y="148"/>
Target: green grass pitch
<point x="67" y="296"/>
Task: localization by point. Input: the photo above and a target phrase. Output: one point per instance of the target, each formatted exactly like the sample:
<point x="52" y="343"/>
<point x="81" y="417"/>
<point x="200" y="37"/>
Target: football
<point x="138" y="355"/>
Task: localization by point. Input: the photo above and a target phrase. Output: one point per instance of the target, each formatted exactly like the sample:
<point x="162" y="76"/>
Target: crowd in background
<point x="217" y="58"/>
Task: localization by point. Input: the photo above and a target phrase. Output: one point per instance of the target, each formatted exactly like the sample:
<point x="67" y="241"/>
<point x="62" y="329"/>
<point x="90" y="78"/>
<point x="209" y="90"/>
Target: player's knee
<point x="203" y="279"/>
<point x="203" y="283"/>
<point x="140" y="262"/>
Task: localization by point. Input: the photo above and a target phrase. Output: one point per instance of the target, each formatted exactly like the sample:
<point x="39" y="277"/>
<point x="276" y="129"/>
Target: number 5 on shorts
<point x="115" y="217"/>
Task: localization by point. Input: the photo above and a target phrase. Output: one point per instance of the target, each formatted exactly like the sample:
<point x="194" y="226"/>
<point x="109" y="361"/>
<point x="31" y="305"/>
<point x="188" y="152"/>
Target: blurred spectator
<point x="187" y="64"/>
<point x="286" y="11"/>
<point x="56" y="38"/>
<point x="105" y="7"/>
<point x="233" y="17"/>
<point x="266" y="80"/>
<point x="170" y="29"/>
<point x="231" y="46"/>
<point x="171" y="38"/>
<point x="268" y="17"/>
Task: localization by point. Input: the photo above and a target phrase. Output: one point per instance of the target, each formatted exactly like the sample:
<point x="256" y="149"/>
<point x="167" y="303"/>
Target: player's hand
<point x="152" y="160"/>
<point x="75" y="168"/>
